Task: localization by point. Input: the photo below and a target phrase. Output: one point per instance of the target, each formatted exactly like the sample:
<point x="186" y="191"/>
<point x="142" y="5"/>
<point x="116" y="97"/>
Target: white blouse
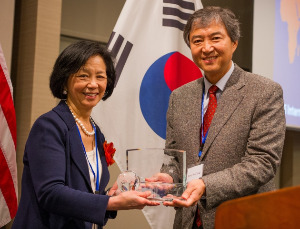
<point x="92" y="159"/>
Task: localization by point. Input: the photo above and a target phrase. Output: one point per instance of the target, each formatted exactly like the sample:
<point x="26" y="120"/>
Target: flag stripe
<point x="176" y="12"/>
<point x="7" y="186"/>
<point x="183" y="4"/>
<point x="7" y="143"/>
<point x="8" y="138"/>
<point x="4" y="213"/>
<point x="7" y="105"/>
<point x="122" y="60"/>
<point x="110" y="39"/>
<point x="173" y="23"/>
<point x="117" y="46"/>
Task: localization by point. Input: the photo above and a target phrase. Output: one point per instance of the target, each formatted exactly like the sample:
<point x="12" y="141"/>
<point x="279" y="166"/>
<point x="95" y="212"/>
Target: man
<point x="240" y="143"/>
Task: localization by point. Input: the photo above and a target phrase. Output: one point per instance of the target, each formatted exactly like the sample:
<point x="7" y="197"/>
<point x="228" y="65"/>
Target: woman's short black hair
<point x="73" y="58"/>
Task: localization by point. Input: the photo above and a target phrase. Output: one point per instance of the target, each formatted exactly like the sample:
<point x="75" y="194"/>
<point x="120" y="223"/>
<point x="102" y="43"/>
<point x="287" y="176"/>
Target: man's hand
<point x="194" y="190"/>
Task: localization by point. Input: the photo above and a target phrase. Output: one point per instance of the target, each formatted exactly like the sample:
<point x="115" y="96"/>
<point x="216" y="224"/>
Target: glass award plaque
<point x="161" y="171"/>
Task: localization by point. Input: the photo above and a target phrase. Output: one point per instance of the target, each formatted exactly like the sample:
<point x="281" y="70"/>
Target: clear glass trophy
<point x="143" y="166"/>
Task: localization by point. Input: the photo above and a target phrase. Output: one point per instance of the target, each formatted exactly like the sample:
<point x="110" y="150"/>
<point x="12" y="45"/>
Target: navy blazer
<point x="56" y="188"/>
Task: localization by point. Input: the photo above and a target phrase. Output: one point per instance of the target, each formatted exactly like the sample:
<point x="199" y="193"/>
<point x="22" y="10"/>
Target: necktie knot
<point x="213" y="89"/>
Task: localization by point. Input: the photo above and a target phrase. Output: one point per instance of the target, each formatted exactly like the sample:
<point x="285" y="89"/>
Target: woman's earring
<point x="65" y="92"/>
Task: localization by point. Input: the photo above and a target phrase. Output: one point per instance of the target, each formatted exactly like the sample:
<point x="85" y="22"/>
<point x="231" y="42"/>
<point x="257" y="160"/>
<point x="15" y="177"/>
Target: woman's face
<point x="87" y="86"/>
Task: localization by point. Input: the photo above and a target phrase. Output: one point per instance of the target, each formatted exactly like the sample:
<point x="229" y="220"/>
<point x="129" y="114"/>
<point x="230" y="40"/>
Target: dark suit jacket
<point x="56" y="189"/>
<point x="244" y="145"/>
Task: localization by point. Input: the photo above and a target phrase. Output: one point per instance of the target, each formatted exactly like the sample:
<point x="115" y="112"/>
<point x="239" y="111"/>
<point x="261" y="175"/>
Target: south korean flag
<point x="151" y="61"/>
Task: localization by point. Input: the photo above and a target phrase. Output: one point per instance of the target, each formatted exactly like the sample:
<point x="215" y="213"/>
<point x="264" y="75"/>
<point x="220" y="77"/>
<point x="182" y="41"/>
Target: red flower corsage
<point x="109" y="151"/>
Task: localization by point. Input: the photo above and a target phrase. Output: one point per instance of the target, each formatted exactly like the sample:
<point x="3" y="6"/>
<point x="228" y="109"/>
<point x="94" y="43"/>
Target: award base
<point x="162" y="191"/>
<point x="143" y="164"/>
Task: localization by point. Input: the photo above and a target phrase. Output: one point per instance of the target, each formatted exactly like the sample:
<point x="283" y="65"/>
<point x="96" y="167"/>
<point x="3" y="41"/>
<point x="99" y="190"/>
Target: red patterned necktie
<point x="198" y="219"/>
<point x="212" y="106"/>
<point x="209" y="114"/>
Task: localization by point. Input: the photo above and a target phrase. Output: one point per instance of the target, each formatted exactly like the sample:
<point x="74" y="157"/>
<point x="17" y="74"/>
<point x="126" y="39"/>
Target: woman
<point x="65" y="169"/>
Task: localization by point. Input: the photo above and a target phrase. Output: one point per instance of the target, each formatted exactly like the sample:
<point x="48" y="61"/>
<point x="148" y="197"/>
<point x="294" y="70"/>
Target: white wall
<point x="263" y="37"/>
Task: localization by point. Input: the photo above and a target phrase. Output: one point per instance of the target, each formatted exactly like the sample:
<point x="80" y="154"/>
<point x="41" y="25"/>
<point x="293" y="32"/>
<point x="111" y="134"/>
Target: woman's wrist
<point x="112" y="204"/>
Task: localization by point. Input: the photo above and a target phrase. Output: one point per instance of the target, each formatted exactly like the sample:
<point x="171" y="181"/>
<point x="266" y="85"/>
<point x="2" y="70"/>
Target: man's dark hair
<point x="204" y="17"/>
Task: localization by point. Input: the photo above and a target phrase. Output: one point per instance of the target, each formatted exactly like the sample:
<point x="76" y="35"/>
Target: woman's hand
<point x="130" y="200"/>
<point x="114" y="190"/>
<point x="194" y="190"/>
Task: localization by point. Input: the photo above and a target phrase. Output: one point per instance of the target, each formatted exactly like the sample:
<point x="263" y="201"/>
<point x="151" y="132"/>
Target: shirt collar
<point x="222" y="82"/>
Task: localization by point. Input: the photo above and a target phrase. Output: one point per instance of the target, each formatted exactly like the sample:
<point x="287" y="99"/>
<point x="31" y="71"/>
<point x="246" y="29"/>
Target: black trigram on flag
<point x="176" y="13"/>
<point x="115" y="48"/>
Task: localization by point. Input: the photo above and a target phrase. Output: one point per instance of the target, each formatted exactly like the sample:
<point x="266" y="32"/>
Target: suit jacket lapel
<point x="79" y="159"/>
<point x="194" y="117"/>
<point x="105" y="174"/>
<point x="227" y="104"/>
<point x="76" y="149"/>
<point x="78" y="156"/>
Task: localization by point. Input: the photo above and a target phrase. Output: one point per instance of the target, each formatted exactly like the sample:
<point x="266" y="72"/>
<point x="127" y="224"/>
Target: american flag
<point x="8" y="137"/>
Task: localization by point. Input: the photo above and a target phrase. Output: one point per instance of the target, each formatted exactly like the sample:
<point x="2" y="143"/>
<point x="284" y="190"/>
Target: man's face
<point x="212" y="50"/>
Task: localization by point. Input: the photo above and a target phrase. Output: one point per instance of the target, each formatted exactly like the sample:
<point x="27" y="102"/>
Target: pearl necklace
<point x="88" y="133"/>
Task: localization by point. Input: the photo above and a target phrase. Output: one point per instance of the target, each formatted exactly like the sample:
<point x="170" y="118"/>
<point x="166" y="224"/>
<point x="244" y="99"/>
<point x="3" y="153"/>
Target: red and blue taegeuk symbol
<point x="163" y="76"/>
